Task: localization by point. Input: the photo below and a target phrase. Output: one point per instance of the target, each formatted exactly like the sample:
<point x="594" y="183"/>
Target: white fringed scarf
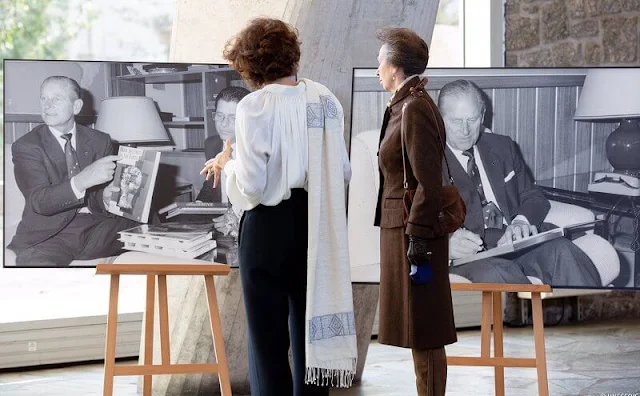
<point x="330" y="333"/>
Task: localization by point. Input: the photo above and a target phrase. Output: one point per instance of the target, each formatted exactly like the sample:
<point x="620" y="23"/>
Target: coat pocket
<point x="392" y="213"/>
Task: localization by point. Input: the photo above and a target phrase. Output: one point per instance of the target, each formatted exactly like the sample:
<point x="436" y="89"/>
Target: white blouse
<point x="271" y="153"/>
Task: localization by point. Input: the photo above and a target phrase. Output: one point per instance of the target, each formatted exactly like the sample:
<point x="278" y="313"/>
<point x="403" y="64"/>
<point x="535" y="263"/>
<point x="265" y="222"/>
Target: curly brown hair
<point x="407" y="50"/>
<point x="264" y="51"/>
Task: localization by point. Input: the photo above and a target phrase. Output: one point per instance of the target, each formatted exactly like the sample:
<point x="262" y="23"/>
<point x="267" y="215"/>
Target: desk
<point x="609" y="204"/>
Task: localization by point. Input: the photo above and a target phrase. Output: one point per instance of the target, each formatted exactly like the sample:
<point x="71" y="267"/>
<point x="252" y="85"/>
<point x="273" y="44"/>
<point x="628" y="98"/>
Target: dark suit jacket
<point x="517" y="196"/>
<point x="212" y="146"/>
<point x="42" y="177"/>
<point x="421" y="121"/>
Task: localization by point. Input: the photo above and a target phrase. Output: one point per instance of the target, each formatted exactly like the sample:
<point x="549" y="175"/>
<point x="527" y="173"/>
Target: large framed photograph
<point x="546" y="149"/>
<point x="104" y="158"/>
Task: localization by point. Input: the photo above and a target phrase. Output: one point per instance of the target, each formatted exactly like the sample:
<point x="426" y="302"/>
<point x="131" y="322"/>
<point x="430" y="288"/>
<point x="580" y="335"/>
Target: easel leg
<point x="538" y="336"/>
<point x="485" y="326"/>
<point x="218" y="337"/>
<point x="498" y="341"/>
<point x="148" y="333"/>
<point x="163" y="305"/>
<point x="110" y="345"/>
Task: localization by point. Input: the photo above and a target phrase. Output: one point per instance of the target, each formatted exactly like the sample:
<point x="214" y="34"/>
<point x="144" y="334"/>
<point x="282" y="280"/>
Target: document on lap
<point x="515" y="246"/>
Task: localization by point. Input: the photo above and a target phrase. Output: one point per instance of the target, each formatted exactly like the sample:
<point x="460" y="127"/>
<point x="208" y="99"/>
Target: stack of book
<point x="191" y="208"/>
<point x="170" y="239"/>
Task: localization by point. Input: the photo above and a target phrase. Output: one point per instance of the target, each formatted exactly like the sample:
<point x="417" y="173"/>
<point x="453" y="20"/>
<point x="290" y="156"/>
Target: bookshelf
<point x="190" y="97"/>
<point x="198" y="86"/>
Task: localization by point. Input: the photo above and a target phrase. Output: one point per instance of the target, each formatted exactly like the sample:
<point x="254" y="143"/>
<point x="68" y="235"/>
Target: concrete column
<point x="336" y="36"/>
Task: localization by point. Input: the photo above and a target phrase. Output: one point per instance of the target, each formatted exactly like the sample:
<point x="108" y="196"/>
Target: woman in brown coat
<point x="415" y="310"/>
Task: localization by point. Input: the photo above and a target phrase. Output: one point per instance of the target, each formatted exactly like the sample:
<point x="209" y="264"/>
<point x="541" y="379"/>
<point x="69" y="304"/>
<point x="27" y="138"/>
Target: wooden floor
<point x="587" y="359"/>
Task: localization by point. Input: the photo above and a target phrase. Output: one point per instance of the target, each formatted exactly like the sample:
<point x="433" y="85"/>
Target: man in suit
<point x="62" y="169"/>
<point x="224" y="118"/>
<point x="503" y="202"/>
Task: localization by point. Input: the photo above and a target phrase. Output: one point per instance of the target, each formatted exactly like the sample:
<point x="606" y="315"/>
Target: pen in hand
<point x="481" y="244"/>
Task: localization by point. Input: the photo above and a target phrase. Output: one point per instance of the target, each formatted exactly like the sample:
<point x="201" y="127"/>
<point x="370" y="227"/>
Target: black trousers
<point x="273" y="270"/>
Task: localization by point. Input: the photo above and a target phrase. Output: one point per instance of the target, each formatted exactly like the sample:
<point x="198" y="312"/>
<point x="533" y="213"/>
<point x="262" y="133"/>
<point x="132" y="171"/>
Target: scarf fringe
<point x="337" y="378"/>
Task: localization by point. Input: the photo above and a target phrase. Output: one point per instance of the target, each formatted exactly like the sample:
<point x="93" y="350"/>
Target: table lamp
<point x="613" y="94"/>
<point x="131" y="120"/>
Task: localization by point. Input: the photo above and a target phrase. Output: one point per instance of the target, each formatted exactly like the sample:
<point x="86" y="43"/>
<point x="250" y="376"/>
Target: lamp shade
<point x="610" y="93"/>
<point x="131" y="119"/>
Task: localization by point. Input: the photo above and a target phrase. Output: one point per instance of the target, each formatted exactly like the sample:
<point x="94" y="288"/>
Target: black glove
<point x="419" y="256"/>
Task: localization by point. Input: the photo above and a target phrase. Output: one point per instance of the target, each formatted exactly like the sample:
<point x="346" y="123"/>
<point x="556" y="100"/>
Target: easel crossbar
<point x="158" y="369"/>
<point x="490" y="361"/>
<point x="500" y="287"/>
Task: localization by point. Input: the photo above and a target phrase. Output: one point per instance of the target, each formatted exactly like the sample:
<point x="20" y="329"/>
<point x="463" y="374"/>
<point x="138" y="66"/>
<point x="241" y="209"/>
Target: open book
<point x="513" y="247"/>
<point x="194" y="208"/>
<point x="135" y="175"/>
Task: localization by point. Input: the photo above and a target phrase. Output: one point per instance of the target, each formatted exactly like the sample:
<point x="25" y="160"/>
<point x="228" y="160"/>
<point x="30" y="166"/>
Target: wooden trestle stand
<point x="492" y="309"/>
<point x="148" y="369"/>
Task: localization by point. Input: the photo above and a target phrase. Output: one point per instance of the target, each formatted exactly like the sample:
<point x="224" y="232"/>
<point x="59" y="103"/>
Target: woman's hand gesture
<point x="215" y="165"/>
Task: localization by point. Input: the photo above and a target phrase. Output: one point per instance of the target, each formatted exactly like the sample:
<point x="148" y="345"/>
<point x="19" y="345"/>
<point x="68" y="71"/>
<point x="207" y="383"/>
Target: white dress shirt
<point x="62" y="141"/>
<point x="271" y="155"/>
<point x="486" y="185"/>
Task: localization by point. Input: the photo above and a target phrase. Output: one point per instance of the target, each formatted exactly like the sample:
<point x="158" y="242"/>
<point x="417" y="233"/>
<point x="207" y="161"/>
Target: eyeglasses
<point x="221" y="117"/>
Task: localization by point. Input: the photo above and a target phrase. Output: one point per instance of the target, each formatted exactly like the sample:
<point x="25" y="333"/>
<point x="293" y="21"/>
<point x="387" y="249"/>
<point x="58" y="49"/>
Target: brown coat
<point x="412" y="316"/>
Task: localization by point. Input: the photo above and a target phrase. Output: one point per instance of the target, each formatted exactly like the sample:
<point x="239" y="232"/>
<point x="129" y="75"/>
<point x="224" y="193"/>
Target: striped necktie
<point x="70" y="156"/>
<point x="474" y="174"/>
<point x="493" y="217"/>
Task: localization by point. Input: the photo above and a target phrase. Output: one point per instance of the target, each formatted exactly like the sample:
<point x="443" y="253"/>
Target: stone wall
<point x="565" y="33"/>
<point x="562" y="33"/>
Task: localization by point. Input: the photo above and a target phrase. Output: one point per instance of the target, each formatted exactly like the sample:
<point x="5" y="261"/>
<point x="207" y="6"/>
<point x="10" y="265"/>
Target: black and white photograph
<point x="94" y="150"/>
<point x="546" y="161"/>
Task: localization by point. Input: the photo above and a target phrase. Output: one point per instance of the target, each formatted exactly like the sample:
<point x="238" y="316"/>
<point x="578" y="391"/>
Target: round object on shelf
<point x="623" y="147"/>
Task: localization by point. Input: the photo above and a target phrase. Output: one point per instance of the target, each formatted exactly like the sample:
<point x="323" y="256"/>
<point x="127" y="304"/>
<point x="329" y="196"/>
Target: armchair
<point x="364" y="240"/>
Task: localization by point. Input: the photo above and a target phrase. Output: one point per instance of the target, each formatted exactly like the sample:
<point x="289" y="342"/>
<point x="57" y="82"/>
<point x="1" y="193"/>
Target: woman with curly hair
<point x="289" y="176"/>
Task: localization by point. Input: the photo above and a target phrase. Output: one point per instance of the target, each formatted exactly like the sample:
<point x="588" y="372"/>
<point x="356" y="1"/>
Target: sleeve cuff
<point x="79" y="194"/>
<point x="229" y="168"/>
<point x="522" y="218"/>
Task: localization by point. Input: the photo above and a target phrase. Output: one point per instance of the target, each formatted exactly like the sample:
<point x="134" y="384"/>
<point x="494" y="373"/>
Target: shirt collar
<point x="459" y="153"/>
<point x="405" y="81"/>
<point x="286" y="90"/>
<point x="402" y="91"/>
<point x="59" y="134"/>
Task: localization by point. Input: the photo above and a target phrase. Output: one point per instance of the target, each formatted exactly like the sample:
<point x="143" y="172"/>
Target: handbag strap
<point x="418" y="91"/>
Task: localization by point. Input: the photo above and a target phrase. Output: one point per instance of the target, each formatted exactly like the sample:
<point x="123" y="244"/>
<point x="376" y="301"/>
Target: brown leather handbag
<point x="453" y="211"/>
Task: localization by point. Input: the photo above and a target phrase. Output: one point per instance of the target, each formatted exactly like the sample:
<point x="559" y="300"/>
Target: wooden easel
<point x="148" y="369"/>
<point x="492" y="308"/>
